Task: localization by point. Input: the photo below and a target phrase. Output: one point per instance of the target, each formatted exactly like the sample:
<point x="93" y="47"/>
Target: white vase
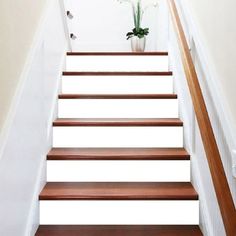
<point x="138" y="44"/>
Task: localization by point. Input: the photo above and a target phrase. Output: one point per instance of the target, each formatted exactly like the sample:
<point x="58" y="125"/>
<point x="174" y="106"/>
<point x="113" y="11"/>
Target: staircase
<point x="118" y="166"/>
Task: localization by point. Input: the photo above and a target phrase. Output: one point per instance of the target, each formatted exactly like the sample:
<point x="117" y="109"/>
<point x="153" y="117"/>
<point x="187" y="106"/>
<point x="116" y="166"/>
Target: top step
<point x="117" y="73"/>
<point x="117" y="53"/>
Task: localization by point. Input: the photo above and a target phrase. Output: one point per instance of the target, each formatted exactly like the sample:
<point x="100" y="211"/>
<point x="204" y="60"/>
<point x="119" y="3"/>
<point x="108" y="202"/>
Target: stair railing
<point x="220" y="182"/>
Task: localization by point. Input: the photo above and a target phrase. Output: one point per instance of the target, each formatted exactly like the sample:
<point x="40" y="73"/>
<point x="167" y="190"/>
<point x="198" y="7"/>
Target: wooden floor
<point x="119" y="231"/>
<point x="118" y="191"/>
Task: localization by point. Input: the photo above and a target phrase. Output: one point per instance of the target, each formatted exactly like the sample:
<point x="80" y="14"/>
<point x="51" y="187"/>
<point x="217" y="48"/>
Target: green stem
<point x="138" y="16"/>
<point x="134" y="15"/>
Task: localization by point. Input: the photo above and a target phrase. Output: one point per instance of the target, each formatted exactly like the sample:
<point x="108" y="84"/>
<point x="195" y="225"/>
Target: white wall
<point x="28" y="139"/>
<point x="102" y="25"/>
<point x="210" y="216"/>
<point x="215" y="20"/>
<point x="18" y="24"/>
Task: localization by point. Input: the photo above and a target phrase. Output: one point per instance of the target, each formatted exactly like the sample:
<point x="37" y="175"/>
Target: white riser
<point x="119" y="212"/>
<point x="121" y="63"/>
<point x="117" y="84"/>
<point x="118" y="171"/>
<point x="118" y="137"/>
<point x="118" y="108"/>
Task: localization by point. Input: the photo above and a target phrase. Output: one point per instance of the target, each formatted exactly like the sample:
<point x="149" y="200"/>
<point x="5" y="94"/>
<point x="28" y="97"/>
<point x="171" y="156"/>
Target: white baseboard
<point x="31" y="227"/>
<point x="46" y="85"/>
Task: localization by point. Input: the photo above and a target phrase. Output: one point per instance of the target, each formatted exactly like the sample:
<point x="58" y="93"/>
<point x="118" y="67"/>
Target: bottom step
<point x="167" y="230"/>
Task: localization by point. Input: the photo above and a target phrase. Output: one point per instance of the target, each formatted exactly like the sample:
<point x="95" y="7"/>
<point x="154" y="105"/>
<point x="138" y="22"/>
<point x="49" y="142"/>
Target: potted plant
<point x="138" y="34"/>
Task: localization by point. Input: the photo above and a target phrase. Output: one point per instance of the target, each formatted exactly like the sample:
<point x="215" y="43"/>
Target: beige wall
<point x="216" y="20"/>
<point x="18" y="24"/>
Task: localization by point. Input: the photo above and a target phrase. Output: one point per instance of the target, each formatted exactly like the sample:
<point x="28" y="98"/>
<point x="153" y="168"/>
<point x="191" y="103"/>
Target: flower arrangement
<point x="139" y="7"/>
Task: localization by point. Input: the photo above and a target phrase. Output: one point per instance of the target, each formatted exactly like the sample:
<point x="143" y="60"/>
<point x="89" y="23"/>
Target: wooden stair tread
<point x="118" y="154"/>
<point x="117" y="122"/>
<point x="117" y="96"/>
<point x="116" y="73"/>
<point x="118" y="191"/>
<point x="117" y="53"/>
<point x="118" y="230"/>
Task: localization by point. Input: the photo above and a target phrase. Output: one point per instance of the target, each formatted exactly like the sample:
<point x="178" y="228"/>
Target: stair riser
<point x="118" y="171"/>
<point x="121" y="63"/>
<point x="118" y="108"/>
<point x="118" y="136"/>
<point x="119" y="212"/>
<point x="117" y="84"/>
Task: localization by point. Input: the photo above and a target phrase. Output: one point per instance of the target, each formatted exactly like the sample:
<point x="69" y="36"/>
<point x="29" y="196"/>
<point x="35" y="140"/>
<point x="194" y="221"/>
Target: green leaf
<point x="129" y="33"/>
<point x="138" y="32"/>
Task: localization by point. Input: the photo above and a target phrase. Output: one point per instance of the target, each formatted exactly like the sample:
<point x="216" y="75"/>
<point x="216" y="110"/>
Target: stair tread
<point x="118" y="191"/>
<point x="119" y="230"/>
<point x="118" y="122"/>
<point x="117" y="96"/>
<point x="116" y="73"/>
<point x="152" y="53"/>
<point x="118" y="154"/>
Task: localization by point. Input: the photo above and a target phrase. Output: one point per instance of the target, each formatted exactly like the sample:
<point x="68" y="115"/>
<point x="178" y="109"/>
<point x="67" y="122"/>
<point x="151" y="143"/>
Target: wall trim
<point x="37" y="39"/>
<point x="203" y="206"/>
<point x="213" y="85"/>
<point x="29" y="230"/>
<point x="188" y="126"/>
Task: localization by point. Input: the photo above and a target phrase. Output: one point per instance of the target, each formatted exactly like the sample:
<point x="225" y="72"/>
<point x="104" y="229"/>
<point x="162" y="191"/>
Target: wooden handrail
<point x="223" y="193"/>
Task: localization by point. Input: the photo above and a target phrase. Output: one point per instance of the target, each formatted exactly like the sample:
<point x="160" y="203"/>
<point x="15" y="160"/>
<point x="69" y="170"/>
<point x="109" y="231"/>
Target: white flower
<point x="145" y="3"/>
<point x="149" y="3"/>
<point x="139" y="7"/>
<point x="131" y="1"/>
